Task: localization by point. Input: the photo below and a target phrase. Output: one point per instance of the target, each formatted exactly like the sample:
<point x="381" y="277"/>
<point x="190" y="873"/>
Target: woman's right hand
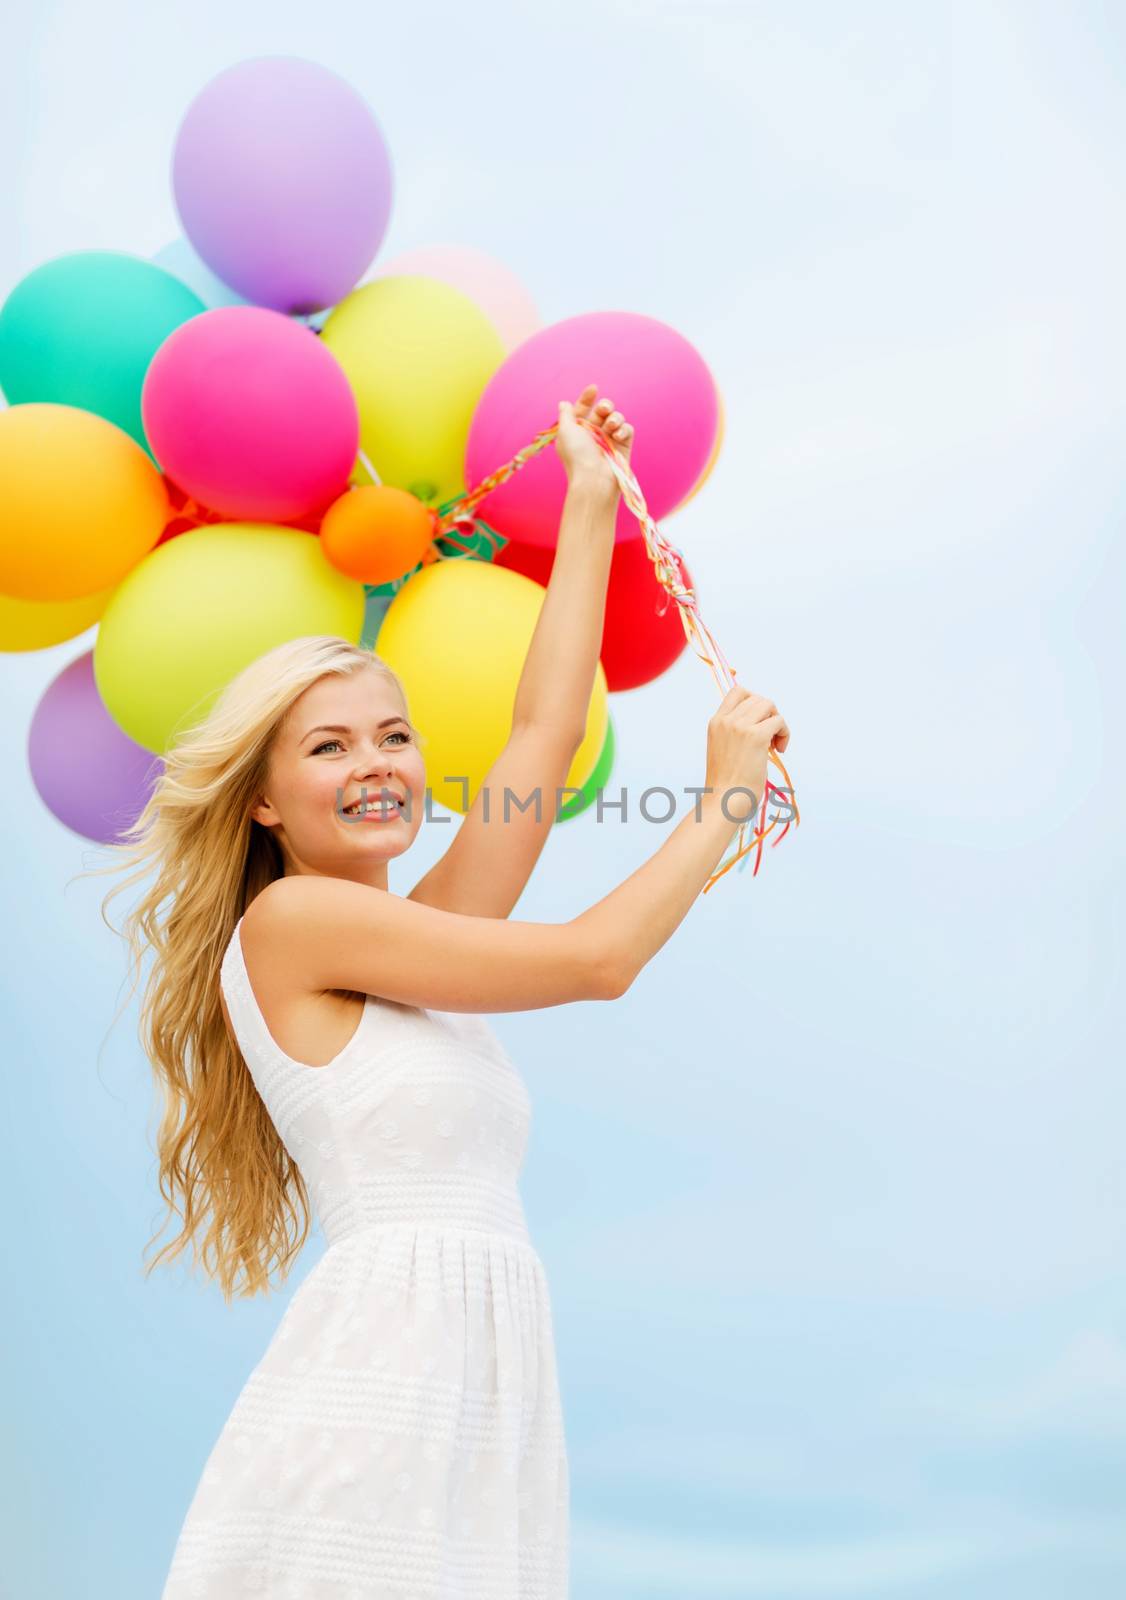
<point x="741" y="734"/>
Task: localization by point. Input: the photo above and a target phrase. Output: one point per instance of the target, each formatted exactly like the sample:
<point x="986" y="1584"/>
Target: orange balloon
<point x="377" y="533"/>
<point x="80" y="502"/>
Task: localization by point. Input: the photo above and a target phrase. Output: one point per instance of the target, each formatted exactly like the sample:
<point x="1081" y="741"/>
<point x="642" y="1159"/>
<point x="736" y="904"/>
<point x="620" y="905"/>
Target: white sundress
<point x="402" y="1436"/>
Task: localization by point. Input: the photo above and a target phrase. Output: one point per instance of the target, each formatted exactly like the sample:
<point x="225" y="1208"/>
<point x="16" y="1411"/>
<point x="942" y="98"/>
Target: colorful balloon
<point x="376" y="533"/>
<point x="283" y="182"/>
<point x="535" y="561"/>
<point x="251" y="414"/>
<point x="82" y="329"/>
<point x="80" y="502"/>
<point x="651" y="373"/>
<point x="375" y="609"/>
<point x="487" y="281"/>
<point x="478" y="543"/>
<point x="598" y="779"/>
<point x="199" y="609"/>
<point x="712" y="459"/>
<point x="457" y="634"/>
<point x="36" y="624"/>
<point x="89" y="774"/>
<point x="642" y="634"/>
<point x="417" y="354"/>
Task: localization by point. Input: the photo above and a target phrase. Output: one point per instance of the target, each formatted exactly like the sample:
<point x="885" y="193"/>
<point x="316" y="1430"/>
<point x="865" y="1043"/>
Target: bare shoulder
<point x="283" y="926"/>
<point x="286" y="905"/>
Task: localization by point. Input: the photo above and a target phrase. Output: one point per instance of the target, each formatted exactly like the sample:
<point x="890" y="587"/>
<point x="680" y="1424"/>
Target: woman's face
<point x="316" y="772"/>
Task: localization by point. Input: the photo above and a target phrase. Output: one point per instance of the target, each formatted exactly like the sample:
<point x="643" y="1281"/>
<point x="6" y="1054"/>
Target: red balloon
<point x="638" y="641"/>
<point x="533" y="560"/>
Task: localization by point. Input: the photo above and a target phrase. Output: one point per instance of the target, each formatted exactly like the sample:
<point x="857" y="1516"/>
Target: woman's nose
<point x="378" y="765"/>
<point x="375" y="769"/>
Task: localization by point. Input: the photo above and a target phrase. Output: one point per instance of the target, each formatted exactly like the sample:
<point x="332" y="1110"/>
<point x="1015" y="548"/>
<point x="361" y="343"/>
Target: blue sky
<point x="832" y="1202"/>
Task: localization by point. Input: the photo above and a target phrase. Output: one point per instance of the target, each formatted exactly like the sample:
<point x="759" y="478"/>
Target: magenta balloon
<point x="651" y="373"/>
<point x="251" y="414"/>
<point x="282" y="181"/>
<point x="89" y="774"/>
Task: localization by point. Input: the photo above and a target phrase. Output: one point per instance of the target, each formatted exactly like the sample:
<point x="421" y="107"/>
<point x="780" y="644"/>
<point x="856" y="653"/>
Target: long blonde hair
<point x="223" y="1168"/>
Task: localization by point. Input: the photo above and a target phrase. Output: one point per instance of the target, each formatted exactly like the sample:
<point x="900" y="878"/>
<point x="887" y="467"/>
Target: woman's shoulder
<point x="278" y="899"/>
<point x="293" y="930"/>
<point x="298" y="1012"/>
<point x="271" y="957"/>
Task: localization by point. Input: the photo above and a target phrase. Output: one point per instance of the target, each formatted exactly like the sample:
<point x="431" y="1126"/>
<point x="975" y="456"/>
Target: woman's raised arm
<point x="332" y="933"/>
<point x="314" y="933"/>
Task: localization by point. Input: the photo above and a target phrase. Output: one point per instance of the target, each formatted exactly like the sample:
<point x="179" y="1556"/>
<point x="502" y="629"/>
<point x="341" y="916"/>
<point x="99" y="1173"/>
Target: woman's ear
<point x="264" y="813"/>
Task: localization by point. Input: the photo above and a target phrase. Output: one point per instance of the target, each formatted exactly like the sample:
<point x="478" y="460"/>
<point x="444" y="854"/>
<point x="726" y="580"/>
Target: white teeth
<point x="355" y="809"/>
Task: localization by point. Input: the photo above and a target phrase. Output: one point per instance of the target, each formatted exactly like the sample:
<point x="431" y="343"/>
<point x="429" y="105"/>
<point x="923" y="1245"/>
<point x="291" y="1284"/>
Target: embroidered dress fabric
<point x="402" y="1436"/>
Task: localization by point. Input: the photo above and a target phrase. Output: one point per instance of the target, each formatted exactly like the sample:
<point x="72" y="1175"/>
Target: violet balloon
<point x="651" y="373"/>
<point x="283" y="182"/>
<point x="89" y="774"/>
<point x="251" y="414"/>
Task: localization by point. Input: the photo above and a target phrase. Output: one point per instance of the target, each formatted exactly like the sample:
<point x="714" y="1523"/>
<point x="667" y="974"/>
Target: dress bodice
<point x="420" y="1118"/>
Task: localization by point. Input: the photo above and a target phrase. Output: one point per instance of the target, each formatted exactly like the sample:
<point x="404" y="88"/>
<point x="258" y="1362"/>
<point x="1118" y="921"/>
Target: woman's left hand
<point x="582" y="456"/>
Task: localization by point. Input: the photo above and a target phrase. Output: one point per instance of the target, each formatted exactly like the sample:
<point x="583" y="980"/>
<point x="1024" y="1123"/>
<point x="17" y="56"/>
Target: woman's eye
<point x="398" y="734"/>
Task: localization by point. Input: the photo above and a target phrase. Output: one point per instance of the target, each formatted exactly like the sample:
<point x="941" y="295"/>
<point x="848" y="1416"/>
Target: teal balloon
<point x="376" y="607"/>
<point x="181" y="261"/>
<point x="81" y="330"/>
<point x="597" y="780"/>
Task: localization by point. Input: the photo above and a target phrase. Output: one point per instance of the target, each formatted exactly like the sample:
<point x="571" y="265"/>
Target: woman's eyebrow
<point x="339" y="727"/>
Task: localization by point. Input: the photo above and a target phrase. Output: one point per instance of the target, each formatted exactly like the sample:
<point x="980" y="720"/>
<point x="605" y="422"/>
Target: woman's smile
<point x="373" y="809"/>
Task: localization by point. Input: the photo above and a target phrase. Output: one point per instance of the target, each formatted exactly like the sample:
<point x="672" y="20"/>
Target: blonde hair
<point x="223" y="1168"/>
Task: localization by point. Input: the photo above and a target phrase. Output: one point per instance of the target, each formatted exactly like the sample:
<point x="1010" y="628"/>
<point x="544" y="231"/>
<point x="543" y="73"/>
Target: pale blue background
<point x="832" y="1203"/>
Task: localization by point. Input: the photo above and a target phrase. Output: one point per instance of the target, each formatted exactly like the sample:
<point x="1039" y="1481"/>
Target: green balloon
<point x="587" y="794"/>
<point x="82" y="329"/>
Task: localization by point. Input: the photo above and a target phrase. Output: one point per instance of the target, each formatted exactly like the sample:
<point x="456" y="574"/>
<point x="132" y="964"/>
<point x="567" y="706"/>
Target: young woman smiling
<point x="320" y="1043"/>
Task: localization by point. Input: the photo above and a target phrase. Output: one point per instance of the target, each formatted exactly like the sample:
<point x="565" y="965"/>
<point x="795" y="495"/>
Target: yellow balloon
<point x="417" y="353"/>
<point x="457" y="633"/>
<point x="200" y="608"/>
<point x="35" y="624"/>
<point x="721" y="428"/>
<point x="80" y="502"/>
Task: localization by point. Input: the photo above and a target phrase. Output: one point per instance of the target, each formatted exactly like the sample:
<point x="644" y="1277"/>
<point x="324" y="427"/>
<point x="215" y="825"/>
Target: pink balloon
<point x="251" y="414"/>
<point x="651" y="373"/>
<point x="89" y="774"/>
<point x="485" y="280"/>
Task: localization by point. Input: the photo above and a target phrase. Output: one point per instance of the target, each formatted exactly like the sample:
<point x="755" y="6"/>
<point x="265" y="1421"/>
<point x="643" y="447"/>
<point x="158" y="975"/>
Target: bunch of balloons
<point x="256" y="435"/>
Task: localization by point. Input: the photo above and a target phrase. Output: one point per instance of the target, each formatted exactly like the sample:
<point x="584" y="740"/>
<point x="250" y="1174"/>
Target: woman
<point x="316" y="1034"/>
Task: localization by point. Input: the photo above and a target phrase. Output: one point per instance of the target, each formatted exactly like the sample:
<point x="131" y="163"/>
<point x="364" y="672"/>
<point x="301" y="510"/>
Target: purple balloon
<point x="89" y="774"/>
<point x="283" y="182"/>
